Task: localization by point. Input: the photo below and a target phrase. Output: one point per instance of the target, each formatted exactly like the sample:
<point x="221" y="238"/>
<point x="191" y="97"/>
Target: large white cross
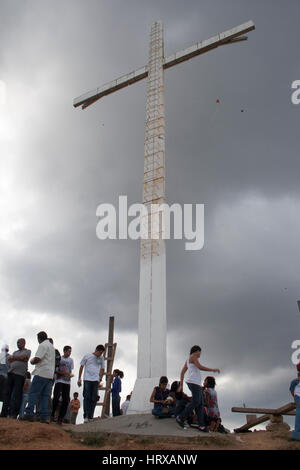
<point x="152" y="329"/>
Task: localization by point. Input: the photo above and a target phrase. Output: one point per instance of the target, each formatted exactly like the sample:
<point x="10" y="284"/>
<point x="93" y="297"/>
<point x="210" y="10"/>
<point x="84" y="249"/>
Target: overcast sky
<point x="237" y="296"/>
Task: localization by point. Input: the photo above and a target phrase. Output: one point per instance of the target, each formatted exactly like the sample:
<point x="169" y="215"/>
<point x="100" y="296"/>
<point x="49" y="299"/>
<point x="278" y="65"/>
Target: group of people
<point x="47" y="396"/>
<point x="201" y="408"/>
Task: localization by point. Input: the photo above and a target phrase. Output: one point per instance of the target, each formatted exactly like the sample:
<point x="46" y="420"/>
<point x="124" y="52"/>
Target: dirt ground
<point x="17" y="435"/>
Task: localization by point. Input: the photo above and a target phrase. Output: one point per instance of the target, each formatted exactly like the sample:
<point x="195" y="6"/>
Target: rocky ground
<point x="36" y="436"/>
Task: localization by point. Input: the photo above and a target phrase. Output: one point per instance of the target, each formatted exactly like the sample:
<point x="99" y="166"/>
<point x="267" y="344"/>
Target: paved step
<point x="141" y="425"/>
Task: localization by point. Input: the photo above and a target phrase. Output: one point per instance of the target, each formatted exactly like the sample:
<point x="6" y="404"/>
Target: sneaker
<point x="85" y="420"/>
<point x="59" y="422"/>
<point x="53" y="419"/>
<point x="90" y="420"/>
<point x="203" y="429"/>
<point x="181" y="423"/>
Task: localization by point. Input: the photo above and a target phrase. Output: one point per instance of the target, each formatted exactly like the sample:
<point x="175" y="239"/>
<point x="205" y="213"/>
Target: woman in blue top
<point x="115" y="392"/>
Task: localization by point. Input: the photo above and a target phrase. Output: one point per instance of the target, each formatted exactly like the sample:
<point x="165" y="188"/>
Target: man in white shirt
<point x="44" y="362"/>
<point x="62" y="386"/>
<point x="93" y="365"/>
<point x="125" y="405"/>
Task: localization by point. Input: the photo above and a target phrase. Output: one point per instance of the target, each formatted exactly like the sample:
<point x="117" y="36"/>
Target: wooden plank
<point x="110" y="354"/>
<point x="247" y="426"/>
<point x="251" y="418"/>
<point x="279" y="411"/>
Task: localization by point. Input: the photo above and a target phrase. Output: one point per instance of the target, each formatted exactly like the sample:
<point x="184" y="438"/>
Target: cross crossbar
<point x="227" y="37"/>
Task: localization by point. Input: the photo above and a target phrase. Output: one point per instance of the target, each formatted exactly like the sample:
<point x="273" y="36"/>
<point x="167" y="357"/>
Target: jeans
<point x="196" y="404"/>
<point x="180" y="406"/>
<point x="90" y="395"/>
<point x="40" y="388"/>
<point x="37" y="406"/>
<point x="3" y="383"/>
<point x="13" y="395"/>
<point x="115" y="404"/>
<point x="64" y="390"/>
<point x="158" y="411"/>
<point x="296" y="432"/>
<point x="73" y="417"/>
<point x="24" y="403"/>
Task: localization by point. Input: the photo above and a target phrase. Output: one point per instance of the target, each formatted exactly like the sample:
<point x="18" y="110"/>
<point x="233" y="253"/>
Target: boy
<point x="74" y="407"/>
<point x="62" y="385"/>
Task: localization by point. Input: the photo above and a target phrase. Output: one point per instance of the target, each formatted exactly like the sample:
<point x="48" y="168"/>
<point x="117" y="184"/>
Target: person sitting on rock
<point x="211" y="409"/>
<point x="181" y="400"/>
<point x="163" y="403"/>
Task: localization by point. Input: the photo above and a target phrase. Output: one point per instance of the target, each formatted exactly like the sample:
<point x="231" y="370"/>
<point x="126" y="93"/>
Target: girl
<point x="159" y="397"/>
<point x="211" y="404"/>
<point x="115" y="392"/>
<point x="193" y="367"/>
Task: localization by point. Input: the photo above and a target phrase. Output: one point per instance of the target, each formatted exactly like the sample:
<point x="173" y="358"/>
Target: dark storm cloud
<point x="238" y="295"/>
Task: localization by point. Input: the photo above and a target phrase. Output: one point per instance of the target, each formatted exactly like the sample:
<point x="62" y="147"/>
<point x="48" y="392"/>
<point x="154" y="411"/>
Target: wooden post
<point x="110" y="358"/>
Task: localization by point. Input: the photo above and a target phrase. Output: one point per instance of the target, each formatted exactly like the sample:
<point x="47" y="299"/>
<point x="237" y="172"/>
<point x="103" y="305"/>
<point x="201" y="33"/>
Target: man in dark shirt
<point x="15" y="380"/>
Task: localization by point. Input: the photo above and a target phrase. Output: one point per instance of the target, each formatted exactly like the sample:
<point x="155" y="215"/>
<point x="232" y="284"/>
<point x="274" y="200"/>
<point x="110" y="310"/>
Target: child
<point x="211" y="404"/>
<point x="74" y="407"/>
<point x="115" y="392"/>
<point x="162" y="407"/>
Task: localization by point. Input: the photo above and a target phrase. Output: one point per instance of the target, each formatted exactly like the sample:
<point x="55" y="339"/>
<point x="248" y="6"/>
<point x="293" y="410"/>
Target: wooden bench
<point x="274" y="415"/>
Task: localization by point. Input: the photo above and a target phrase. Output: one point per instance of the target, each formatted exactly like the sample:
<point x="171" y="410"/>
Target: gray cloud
<point x="237" y="296"/>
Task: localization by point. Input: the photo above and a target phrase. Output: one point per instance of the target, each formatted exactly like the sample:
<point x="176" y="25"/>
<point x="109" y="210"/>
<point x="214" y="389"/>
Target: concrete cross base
<point x="138" y="425"/>
<point x="139" y="403"/>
